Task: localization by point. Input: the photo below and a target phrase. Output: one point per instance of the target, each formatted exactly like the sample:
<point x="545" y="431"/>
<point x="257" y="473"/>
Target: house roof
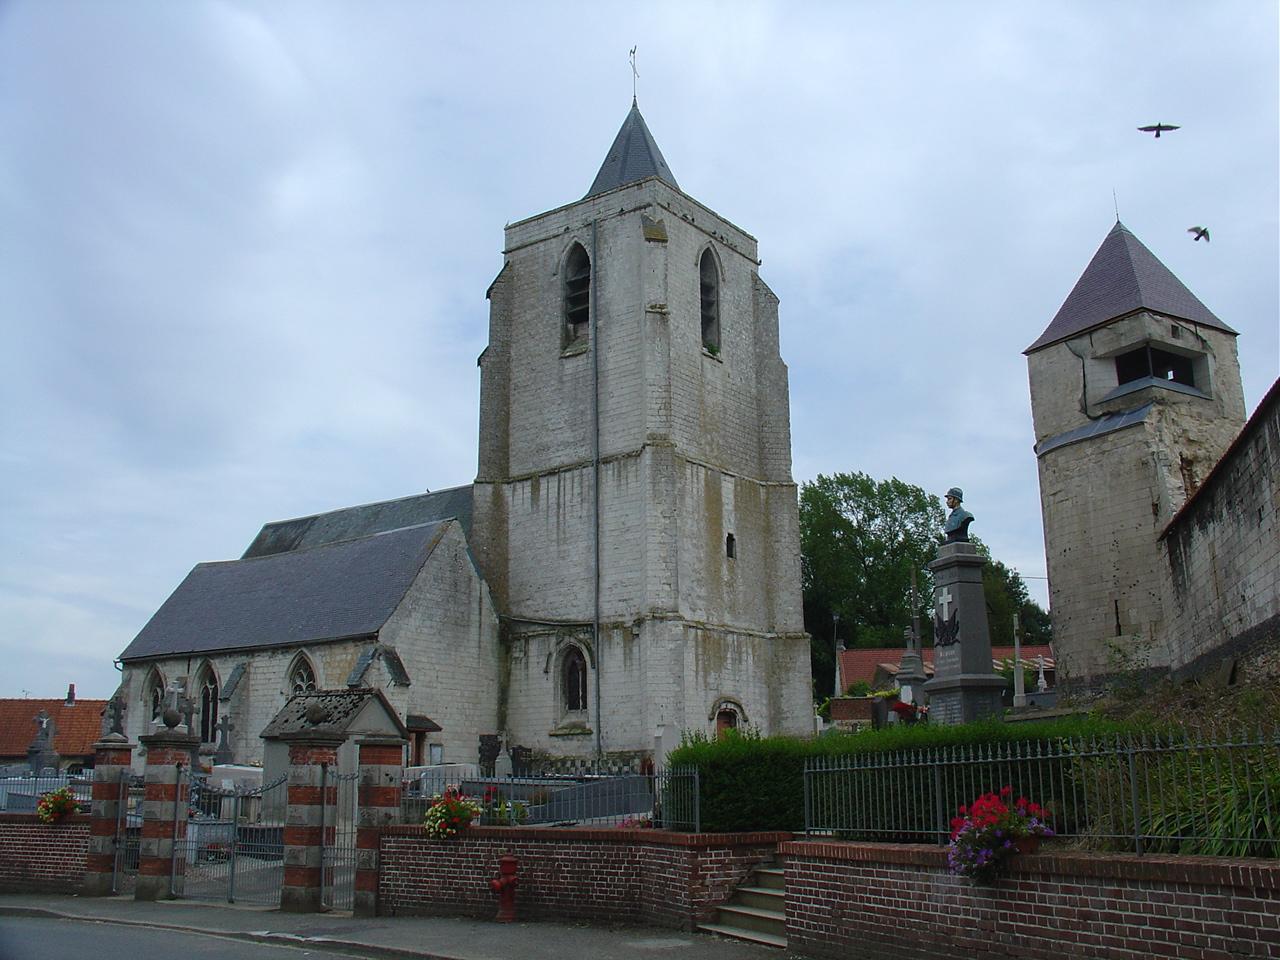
<point x="364" y="520"/>
<point x="861" y="663"/>
<point x="76" y="726"/>
<point x="634" y="156"/>
<point x="1122" y="277"/>
<point x="330" y="592"/>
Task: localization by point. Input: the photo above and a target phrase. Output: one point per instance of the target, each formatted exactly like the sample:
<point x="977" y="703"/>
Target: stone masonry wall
<point x="1105" y="499"/>
<point x="1222" y="556"/>
<point x="897" y="902"/>
<point x="613" y="876"/>
<point x="40" y="857"/>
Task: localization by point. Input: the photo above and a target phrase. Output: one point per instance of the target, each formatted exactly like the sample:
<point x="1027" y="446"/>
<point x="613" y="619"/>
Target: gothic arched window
<point x="573" y="680"/>
<point x="208" y="688"/>
<point x="577" y="296"/>
<point x="154" y="695"/>
<point x="302" y="679"/>
<point x="709" y="297"/>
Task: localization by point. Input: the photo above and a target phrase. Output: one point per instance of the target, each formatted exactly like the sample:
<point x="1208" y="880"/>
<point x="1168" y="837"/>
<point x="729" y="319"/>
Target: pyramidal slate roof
<point x="633" y="156"/>
<point x="1122" y="277"/>
<point x="365" y="520"/>
<point x="329" y="592"/>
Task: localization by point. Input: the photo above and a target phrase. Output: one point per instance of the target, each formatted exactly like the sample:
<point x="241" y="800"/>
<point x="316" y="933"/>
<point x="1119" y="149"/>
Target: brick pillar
<point x="381" y="775"/>
<point x="164" y="813"/>
<point x="111" y="758"/>
<point x="313" y="757"/>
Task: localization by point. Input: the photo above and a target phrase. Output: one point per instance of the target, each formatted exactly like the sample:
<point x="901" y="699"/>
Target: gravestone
<point x="41" y="756"/>
<point x="964" y="687"/>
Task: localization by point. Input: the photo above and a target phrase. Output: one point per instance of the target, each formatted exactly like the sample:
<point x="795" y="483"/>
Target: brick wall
<point x="630" y="876"/>
<point x="897" y="902"/>
<point x="37" y="856"/>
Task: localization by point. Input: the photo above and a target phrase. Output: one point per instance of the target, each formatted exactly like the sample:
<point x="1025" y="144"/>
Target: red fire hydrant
<point x="505" y="888"/>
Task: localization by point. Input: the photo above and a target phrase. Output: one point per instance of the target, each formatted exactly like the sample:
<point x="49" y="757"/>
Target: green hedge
<point x="749" y="782"/>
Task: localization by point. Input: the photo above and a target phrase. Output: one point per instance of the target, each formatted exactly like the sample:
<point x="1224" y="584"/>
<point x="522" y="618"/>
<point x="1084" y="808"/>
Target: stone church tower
<point x="1135" y="395"/>
<point x="634" y="512"/>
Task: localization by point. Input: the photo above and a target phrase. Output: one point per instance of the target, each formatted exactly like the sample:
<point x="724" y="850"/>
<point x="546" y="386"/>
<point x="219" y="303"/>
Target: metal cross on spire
<point x="635" y="74"/>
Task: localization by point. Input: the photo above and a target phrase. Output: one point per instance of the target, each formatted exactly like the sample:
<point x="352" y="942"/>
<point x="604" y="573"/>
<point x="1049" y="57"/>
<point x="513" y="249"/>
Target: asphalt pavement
<point x="402" y="938"/>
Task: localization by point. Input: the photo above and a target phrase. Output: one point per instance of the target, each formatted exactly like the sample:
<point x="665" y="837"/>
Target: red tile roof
<point x="860" y="663"/>
<point x="76" y="727"/>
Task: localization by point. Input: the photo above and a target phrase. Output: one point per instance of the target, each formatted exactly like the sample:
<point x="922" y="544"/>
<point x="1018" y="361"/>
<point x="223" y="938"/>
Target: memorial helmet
<point x="957" y="493"/>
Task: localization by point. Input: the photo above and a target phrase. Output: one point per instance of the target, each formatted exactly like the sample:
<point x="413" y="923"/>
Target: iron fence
<point x="21" y="794"/>
<point x="663" y="798"/>
<point x="1166" y="793"/>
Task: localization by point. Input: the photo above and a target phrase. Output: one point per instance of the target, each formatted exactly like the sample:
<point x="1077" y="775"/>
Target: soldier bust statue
<point x="958" y="520"/>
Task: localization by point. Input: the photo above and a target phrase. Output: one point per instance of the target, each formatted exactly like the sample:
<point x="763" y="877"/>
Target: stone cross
<point x="224" y="753"/>
<point x="115" y="716"/>
<point x="944" y="600"/>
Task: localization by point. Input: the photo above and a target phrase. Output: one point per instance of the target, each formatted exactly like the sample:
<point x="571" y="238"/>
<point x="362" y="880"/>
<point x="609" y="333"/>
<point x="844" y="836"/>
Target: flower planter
<point x="1027" y="844"/>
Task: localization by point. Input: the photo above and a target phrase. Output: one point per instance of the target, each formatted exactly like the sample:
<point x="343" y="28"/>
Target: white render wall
<point x="693" y="447"/>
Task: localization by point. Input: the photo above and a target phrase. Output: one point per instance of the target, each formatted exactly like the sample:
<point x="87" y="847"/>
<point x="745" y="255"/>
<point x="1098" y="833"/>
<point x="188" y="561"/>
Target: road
<point x="30" y="938"/>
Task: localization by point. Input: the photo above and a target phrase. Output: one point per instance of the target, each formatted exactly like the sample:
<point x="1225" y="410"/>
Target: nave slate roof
<point x="329" y="592"/>
<point x="1122" y="277"/>
<point x="365" y="520"/>
<point x="634" y="156"/>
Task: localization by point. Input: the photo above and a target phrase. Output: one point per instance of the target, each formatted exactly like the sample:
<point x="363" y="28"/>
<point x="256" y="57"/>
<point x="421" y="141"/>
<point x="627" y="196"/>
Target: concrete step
<point x="765" y="898"/>
<point x="772" y="877"/>
<point x="738" y="933"/>
<point x="753" y="918"/>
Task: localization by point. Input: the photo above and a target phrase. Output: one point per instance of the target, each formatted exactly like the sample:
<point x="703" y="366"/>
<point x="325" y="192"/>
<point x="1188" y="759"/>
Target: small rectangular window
<point x="730" y="546"/>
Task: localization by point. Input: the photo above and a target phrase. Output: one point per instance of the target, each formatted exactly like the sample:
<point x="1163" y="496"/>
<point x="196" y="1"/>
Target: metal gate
<point x="234" y="848"/>
<point x="338" y="853"/>
<point x="128" y="833"/>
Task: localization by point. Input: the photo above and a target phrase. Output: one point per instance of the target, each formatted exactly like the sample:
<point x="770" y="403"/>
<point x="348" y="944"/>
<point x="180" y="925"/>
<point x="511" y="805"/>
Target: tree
<point x="860" y="539"/>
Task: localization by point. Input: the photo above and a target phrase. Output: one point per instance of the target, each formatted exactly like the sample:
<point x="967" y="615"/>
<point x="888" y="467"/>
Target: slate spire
<point x="1122" y="277"/>
<point x="633" y="156"/>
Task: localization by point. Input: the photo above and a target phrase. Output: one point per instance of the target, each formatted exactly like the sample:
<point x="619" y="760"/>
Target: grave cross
<point x="944" y="600"/>
<point x="224" y="727"/>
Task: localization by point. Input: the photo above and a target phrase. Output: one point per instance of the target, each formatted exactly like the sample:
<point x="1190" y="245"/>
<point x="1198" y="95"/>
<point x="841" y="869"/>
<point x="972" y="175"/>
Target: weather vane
<point x="635" y="74"/>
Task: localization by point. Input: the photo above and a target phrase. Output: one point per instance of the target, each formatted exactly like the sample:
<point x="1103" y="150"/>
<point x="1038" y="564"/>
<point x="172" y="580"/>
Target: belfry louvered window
<point x="709" y="290"/>
<point x="577" y="295"/>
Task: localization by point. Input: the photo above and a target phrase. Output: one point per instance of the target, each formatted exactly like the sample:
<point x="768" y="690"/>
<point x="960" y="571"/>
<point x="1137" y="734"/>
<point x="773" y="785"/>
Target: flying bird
<point x="1157" y="127"/>
<point x="1201" y="233"/>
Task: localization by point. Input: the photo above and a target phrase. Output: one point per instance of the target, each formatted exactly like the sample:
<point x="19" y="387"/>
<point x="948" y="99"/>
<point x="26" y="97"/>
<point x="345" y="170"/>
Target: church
<point x="625" y="567"/>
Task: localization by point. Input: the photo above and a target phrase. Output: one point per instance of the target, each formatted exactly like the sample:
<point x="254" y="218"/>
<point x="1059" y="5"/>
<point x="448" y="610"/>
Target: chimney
<point x="71" y="695"/>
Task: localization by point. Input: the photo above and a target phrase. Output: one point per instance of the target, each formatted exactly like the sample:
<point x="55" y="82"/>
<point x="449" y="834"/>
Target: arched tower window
<point x="208" y="688"/>
<point x="302" y="678"/>
<point x="577" y="296"/>
<point x="573" y="680"/>
<point x="726" y="720"/>
<point x="709" y="290"/>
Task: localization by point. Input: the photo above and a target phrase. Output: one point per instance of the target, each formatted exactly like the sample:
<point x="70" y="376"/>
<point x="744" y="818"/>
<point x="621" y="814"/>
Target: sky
<point x="244" y="246"/>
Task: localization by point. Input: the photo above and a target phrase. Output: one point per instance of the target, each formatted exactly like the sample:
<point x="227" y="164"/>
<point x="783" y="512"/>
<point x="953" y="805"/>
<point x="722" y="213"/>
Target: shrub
<point x="749" y="782"/>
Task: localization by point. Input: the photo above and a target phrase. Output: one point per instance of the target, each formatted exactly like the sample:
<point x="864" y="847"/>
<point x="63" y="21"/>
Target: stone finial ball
<point x="316" y="714"/>
<point x="171" y="717"/>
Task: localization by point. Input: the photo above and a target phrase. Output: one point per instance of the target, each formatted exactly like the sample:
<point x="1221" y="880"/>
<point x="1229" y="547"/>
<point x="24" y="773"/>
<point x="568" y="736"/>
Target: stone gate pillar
<point x="312" y="788"/>
<point x="164" y="812"/>
<point x="381" y="776"/>
<point x="111" y="758"/>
